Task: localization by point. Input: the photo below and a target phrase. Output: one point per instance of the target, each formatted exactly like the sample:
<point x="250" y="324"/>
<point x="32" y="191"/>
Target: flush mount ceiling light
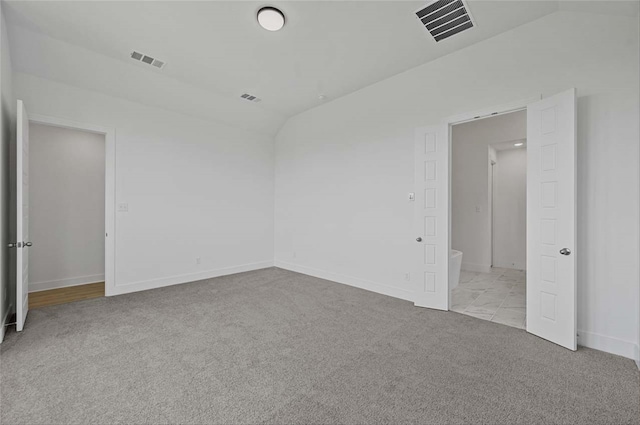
<point x="271" y="18"/>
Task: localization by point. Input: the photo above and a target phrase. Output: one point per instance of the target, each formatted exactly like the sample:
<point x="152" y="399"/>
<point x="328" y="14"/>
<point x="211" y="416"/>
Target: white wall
<point x="194" y="188"/>
<point x="343" y="170"/>
<point x="66" y="207"/>
<point x="7" y="122"/>
<point x="470" y="180"/>
<point x="510" y="209"/>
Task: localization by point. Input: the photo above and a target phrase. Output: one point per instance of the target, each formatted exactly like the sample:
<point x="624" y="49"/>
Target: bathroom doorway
<point x="488" y="218"/>
<point x="550" y="278"/>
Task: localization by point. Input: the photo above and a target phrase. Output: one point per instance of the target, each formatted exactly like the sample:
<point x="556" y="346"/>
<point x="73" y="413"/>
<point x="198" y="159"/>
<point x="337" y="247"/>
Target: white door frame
<point x="448" y="123"/>
<point x="109" y="188"/>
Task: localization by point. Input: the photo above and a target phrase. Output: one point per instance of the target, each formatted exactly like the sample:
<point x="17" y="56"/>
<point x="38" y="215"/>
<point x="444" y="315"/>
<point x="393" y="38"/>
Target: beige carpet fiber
<point x="273" y="346"/>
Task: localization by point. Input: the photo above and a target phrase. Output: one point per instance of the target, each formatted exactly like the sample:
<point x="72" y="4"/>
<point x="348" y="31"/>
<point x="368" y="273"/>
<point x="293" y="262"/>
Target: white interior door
<point x="551" y="219"/>
<point x="22" y="217"/>
<point x="431" y="222"/>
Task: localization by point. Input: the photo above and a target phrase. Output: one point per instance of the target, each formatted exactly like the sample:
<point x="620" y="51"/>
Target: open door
<point x="551" y="219"/>
<point x="22" y="217"/>
<point x="431" y="219"/>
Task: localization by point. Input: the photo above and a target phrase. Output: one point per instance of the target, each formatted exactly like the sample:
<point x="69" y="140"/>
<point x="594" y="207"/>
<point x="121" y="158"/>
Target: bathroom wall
<point x="470" y="184"/>
<point x="510" y="209"/>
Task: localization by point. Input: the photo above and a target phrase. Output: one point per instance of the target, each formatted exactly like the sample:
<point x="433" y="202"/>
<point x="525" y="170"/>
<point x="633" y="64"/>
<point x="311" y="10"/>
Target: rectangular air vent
<point x="141" y="57"/>
<point x="250" y="98"/>
<point x="444" y="18"/>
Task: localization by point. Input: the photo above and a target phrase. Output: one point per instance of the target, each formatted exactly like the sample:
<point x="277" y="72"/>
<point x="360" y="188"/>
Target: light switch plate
<point x="123" y="207"/>
<point x="412" y="196"/>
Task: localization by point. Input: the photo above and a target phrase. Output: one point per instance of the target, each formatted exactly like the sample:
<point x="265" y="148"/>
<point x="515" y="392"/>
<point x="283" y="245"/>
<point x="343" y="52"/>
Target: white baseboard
<point x="368" y="285"/>
<point x="64" y="283"/>
<point x="608" y="344"/>
<point x="185" y="278"/>
<point x="3" y="330"/>
<point x="586" y="339"/>
<point x="478" y="268"/>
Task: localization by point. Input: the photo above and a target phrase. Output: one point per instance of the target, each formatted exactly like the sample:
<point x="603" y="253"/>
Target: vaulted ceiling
<point x="215" y="51"/>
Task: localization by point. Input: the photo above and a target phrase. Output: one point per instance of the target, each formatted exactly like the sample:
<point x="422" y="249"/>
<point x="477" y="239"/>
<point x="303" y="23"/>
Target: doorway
<point x="21" y="199"/>
<point x="66" y="215"/>
<point x="551" y="295"/>
<point x="488" y="218"/>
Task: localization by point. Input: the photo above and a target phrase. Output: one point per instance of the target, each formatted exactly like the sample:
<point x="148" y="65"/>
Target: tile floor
<point x="498" y="296"/>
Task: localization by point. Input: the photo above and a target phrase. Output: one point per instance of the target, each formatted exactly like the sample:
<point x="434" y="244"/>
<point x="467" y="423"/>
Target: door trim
<point x="109" y="189"/>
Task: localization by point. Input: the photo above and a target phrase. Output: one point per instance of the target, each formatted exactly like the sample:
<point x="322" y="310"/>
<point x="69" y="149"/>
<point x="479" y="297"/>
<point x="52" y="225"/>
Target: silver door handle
<point x="565" y="251"/>
<point x="419" y="239"/>
<point x="12" y="245"/>
<point x="28" y="244"/>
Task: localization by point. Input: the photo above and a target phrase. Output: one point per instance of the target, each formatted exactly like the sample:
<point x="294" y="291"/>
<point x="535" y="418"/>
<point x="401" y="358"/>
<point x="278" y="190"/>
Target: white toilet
<point x="455" y="264"/>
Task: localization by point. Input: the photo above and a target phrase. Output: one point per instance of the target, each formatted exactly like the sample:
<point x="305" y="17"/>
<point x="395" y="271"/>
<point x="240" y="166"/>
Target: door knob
<point x="28" y="244"/>
<point x="419" y="239"/>
<point x="565" y="251"/>
<point x="12" y="245"/>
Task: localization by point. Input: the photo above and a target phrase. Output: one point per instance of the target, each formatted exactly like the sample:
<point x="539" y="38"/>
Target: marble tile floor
<point x="498" y="296"/>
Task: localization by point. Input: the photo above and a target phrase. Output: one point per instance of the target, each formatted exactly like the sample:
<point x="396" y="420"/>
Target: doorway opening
<point x="66" y="214"/>
<point x="488" y="218"/>
<point x="551" y="286"/>
<point x="54" y="197"/>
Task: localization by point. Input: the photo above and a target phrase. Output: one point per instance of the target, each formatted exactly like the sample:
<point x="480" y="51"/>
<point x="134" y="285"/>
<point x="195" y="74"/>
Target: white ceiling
<point x="217" y="51"/>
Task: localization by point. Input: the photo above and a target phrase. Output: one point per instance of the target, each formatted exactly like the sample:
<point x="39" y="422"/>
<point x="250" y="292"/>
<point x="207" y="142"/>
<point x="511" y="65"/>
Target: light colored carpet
<point x="273" y="346"/>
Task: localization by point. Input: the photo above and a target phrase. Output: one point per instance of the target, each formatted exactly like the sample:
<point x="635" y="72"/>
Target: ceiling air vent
<point x="251" y="98"/>
<point x="444" y="18"/>
<point x="141" y="57"/>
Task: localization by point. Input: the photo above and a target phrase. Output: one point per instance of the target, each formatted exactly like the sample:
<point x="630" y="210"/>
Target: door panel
<point x="551" y="219"/>
<point x="431" y="222"/>
<point x="22" y="217"/>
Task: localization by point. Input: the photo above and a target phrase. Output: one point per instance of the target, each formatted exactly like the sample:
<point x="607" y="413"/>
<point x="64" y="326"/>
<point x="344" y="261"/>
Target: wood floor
<point x="66" y="295"/>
